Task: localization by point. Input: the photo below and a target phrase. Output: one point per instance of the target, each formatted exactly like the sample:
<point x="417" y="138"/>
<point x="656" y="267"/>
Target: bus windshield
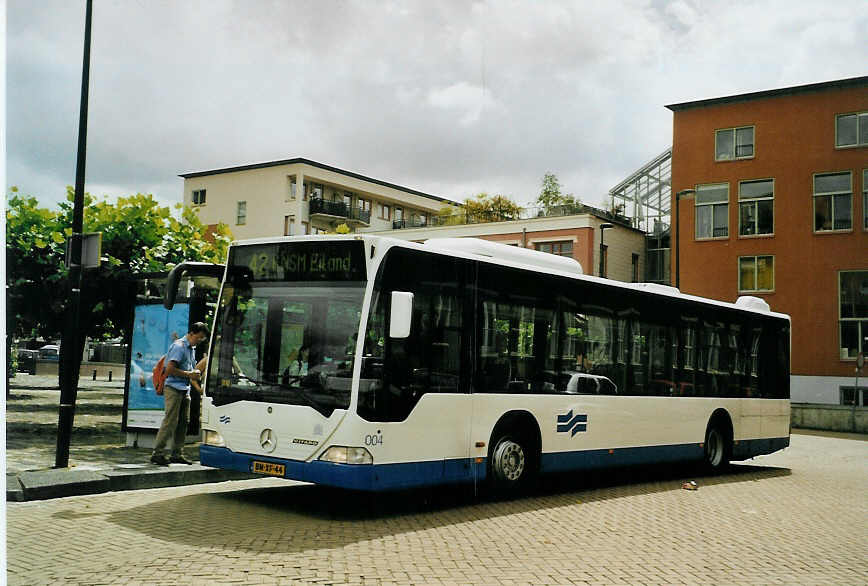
<point x="287" y="325"/>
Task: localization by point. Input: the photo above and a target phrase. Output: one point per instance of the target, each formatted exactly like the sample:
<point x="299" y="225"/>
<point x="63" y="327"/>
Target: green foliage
<point x="450" y="216"/>
<point x="138" y="236"/>
<point x="487" y="208"/>
<point x="551" y="196"/>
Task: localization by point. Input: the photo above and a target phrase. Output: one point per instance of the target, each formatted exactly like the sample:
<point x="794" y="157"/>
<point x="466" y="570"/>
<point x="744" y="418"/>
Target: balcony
<point x="411" y="223"/>
<point x="332" y="210"/>
<point x="459" y="216"/>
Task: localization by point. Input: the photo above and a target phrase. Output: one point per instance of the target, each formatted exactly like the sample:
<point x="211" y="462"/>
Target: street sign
<point x="91" y="249"/>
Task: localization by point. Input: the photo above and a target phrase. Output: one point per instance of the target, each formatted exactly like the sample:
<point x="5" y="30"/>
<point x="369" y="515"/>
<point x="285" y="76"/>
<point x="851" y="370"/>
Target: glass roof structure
<point x="646" y="196"/>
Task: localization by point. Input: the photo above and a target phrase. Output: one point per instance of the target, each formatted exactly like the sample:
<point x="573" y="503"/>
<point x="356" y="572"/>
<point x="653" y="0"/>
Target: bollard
<point x="110" y="376"/>
<point x="94" y="374"/>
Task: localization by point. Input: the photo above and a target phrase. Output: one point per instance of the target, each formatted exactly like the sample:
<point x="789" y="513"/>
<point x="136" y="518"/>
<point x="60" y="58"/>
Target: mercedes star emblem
<point x="267" y="440"/>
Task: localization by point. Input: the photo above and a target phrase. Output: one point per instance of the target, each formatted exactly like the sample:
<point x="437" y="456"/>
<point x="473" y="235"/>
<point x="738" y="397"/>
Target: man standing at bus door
<point x="180" y="371"/>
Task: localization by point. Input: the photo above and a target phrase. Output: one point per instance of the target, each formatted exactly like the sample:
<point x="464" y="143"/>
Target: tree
<point x="138" y="236"/>
<point x="552" y="199"/>
<point x="487" y="208"/>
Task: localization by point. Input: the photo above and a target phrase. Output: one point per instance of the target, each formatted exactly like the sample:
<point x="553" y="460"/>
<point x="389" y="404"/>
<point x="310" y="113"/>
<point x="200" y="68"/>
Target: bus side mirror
<point x="190" y="269"/>
<point x="402" y="314"/>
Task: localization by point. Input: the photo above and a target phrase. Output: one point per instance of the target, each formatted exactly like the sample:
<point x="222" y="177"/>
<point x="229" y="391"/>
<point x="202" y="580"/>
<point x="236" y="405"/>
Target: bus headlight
<point x="212" y="438"/>
<point x="347" y="455"/>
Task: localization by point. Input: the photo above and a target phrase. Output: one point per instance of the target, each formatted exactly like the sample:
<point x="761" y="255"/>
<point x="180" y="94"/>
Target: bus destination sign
<point x="302" y="261"/>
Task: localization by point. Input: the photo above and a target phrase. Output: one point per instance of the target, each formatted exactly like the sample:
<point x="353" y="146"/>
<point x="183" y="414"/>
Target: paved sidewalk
<point x="99" y="460"/>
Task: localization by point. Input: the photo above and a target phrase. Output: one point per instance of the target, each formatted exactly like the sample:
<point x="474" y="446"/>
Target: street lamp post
<point x="603" y="227"/>
<point x="678" y="196"/>
<point x="70" y="359"/>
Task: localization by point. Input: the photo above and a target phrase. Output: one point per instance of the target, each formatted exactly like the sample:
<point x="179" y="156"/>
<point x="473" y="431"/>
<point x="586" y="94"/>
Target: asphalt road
<point x="796" y="517"/>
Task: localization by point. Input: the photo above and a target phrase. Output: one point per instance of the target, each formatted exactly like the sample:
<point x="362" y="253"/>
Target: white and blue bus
<point x="371" y="363"/>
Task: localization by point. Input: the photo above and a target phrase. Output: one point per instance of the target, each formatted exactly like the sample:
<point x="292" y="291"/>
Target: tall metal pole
<point x="70" y="360"/>
<point x="677" y="242"/>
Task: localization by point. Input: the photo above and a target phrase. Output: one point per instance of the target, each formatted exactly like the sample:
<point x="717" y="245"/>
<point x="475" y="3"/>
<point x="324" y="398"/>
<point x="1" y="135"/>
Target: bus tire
<point x="513" y="462"/>
<point x="718" y="445"/>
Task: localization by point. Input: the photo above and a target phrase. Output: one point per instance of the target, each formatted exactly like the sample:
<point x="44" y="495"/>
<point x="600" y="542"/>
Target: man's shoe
<point x="159" y="460"/>
<point x="179" y="460"/>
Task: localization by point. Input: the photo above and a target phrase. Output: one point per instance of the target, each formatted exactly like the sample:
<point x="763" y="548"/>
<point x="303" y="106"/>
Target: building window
<point x="865" y="199"/>
<point x="241" y="213"/>
<point x="423" y="219"/>
<point x="293" y="188"/>
<point x="851" y="130"/>
<point x="399" y="214"/>
<point x="756" y="273"/>
<point x="756" y="206"/>
<point x="853" y="312"/>
<point x="635" y="267"/>
<point x="305" y="226"/>
<point x="564" y="248"/>
<point x="712" y="211"/>
<point x="289" y="226"/>
<point x="365" y="205"/>
<point x="198" y="197"/>
<point x="385" y="212"/>
<point x="733" y="143"/>
<point x="852" y="396"/>
<point x="314" y="190"/>
<point x="832" y="201"/>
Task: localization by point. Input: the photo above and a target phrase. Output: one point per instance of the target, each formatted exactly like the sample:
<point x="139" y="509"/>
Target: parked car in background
<point x="49" y="352"/>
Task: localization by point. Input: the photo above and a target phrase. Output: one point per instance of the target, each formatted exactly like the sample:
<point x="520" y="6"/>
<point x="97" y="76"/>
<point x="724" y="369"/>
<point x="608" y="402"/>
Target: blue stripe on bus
<point x="351" y="476"/>
<point x="416" y="474"/>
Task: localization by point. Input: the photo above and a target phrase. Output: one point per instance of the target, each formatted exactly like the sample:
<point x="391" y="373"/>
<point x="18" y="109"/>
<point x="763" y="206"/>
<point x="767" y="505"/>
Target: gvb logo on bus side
<point x="572" y="423"/>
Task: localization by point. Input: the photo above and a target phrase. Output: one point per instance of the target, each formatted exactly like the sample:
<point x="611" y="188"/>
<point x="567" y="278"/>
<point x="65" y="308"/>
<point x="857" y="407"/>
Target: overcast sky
<point x="447" y="97"/>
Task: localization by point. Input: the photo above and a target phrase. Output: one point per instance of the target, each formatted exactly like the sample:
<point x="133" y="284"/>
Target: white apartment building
<point x="299" y="196"/>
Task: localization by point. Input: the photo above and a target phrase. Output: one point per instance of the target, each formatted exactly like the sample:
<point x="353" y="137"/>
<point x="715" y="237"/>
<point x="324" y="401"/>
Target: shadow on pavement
<point x="301" y="517"/>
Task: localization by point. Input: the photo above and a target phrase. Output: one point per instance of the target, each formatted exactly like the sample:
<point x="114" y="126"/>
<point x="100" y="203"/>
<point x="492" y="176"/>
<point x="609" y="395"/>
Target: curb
<point x="33" y="485"/>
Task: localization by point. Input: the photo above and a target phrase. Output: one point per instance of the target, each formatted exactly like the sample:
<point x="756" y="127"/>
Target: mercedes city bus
<point x="371" y="363"/>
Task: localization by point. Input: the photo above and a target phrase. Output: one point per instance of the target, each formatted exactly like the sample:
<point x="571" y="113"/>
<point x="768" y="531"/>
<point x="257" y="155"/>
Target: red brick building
<point x="771" y="190"/>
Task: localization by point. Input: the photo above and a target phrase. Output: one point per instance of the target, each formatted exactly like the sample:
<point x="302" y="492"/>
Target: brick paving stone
<point x="799" y="516"/>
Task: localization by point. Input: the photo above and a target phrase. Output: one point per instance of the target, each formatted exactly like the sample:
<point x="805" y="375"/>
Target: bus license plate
<point x="268" y="468"/>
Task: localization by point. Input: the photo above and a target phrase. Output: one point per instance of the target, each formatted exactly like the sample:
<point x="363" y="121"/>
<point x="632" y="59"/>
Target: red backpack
<point x="160" y="375"/>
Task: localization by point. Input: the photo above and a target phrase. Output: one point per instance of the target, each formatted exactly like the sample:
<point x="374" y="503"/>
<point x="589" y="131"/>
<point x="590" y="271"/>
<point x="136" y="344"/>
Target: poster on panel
<point x="154" y="329"/>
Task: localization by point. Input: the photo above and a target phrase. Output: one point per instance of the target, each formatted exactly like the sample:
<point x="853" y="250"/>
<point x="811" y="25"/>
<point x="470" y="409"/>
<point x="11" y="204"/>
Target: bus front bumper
<point x="366" y="477"/>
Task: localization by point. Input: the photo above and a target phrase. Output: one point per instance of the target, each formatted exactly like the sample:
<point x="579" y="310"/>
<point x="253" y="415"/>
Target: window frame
<point x="289" y="225"/>
<point x="754" y="201"/>
<point x="756" y="288"/>
<point x="292" y="193"/>
<point x="197" y="192"/>
<point x="555" y="243"/>
<point x="697" y="205"/>
<point x="734" y="153"/>
<point x="832" y="195"/>
<point x="865" y="200"/>
<point x="241" y="219"/>
<point x="860" y="321"/>
<point x="861" y="118"/>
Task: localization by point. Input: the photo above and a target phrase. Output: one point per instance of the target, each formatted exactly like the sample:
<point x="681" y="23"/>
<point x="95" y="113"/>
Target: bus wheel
<point x="511" y="463"/>
<point x="717" y="448"/>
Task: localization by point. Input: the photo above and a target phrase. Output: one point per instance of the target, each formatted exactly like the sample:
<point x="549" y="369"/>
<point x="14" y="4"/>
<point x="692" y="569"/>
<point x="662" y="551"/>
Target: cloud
<point x="451" y="98"/>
